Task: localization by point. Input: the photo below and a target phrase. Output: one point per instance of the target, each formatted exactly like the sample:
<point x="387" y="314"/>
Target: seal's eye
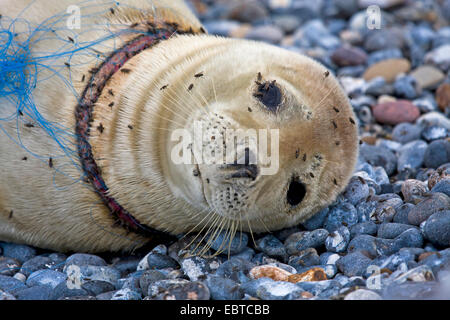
<point x="296" y="192"/>
<point x="269" y="94"/>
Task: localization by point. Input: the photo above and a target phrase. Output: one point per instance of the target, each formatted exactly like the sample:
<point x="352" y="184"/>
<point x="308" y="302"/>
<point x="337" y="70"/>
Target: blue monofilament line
<point x="20" y="72"/>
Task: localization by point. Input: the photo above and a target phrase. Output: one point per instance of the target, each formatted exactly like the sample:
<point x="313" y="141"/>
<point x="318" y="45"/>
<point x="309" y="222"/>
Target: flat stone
<point x="388" y="69"/>
<point x="443" y="96"/>
<point x="348" y="56"/>
<point x="395" y="112"/>
<point x="313" y="274"/>
<point x="268" y="271"/>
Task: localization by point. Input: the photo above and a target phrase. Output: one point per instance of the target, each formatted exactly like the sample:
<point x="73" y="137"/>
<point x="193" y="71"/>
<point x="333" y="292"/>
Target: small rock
<point x="63" y="291"/>
<point x="379" y="156"/>
<point x="354" y="264"/>
<point x="437" y="153"/>
<point x="357" y="190"/>
<point x="178" y="290"/>
<point x="338" y="240"/>
<point x="423" y="210"/>
<point x="434" y="133"/>
<point x="316" y="221"/>
<point x="11" y="285"/>
<point x="160" y="261"/>
<point x="442" y="186"/>
<point x="427" y="76"/>
<point x="271" y="246"/>
<point x="6" y="296"/>
<point x="269" y="271"/>
<point x="363" y="294"/>
<point x="233" y="268"/>
<point x="266" y="33"/>
<point x="328" y="258"/>
<point x="443" y="96"/>
<point x="278" y="291"/>
<point x="305" y="258"/>
<point x="411" y="155"/>
<point x="314" y="274"/>
<point x="406" y="132"/>
<point x="437" y="228"/>
<point x="46" y="277"/>
<point x="388" y="69"/>
<point x="420" y="274"/>
<point x="440" y="57"/>
<point x="367" y="227"/>
<point x="35" y="264"/>
<point x="434" y="119"/>
<point x="348" y="56"/>
<point x="35" y="293"/>
<point x="148" y="277"/>
<point x="83" y="259"/>
<point x="314" y="239"/>
<point x="395" y="112"/>
<point x="246" y="11"/>
<point x="231" y="246"/>
<point x="96" y="287"/>
<point x="9" y="266"/>
<point x="406" y="87"/>
<point x="392" y="230"/>
<point x="126" y="294"/>
<point x="197" y="268"/>
<point x="410" y="290"/>
<point x="441" y="173"/>
<point x="414" y="191"/>
<point x="343" y="214"/>
<point x="224" y="289"/>
<point x="19" y="252"/>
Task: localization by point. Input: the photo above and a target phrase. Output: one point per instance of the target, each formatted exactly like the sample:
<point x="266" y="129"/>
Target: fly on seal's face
<point x="282" y="162"/>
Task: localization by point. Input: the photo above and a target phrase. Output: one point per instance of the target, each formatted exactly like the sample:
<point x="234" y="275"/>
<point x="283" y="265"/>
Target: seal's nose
<point x="296" y="192"/>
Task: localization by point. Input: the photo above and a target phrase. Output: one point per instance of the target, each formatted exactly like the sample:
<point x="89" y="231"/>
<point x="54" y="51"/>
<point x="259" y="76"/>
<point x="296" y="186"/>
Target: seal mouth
<point x="296" y="192"/>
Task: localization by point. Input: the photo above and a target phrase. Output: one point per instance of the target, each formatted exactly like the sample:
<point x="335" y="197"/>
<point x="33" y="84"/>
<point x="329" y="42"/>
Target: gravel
<point x="387" y="236"/>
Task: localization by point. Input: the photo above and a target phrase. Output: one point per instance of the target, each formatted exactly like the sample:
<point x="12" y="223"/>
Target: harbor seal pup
<point x="122" y="110"/>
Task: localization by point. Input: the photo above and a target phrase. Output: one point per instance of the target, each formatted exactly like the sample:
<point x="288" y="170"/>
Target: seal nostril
<point x="296" y="192"/>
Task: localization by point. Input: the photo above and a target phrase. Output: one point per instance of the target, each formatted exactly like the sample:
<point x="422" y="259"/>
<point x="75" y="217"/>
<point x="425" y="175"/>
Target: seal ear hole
<point x="296" y="192"/>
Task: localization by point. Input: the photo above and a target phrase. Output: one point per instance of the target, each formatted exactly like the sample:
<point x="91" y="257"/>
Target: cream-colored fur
<point x="52" y="208"/>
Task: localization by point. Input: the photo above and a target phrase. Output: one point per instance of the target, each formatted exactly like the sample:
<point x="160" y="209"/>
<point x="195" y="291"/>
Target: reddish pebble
<point x="395" y="112"/>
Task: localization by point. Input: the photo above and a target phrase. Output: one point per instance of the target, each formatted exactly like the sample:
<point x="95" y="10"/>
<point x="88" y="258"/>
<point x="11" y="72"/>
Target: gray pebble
<point x="126" y="294"/>
<point x="35" y="293"/>
<point x="338" y="240"/>
<point x="19" y="252"/>
<point x="343" y="214"/>
<point x="35" y="264"/>
<point x="84" y="259"/>
<point x="11" y="285"/>
<point x="305" y="258"/>
<point x="406" y="132"/>
<point x="411" y="155"/>
<point x="222" y="243"/>
<point x="392" y="230"/>
<point x="437" y="228"/>
<point x="437" y="153"/>
<point x="271" y="246"/>
<point x="367" y="227"/>
<point x="9" y="266"/>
